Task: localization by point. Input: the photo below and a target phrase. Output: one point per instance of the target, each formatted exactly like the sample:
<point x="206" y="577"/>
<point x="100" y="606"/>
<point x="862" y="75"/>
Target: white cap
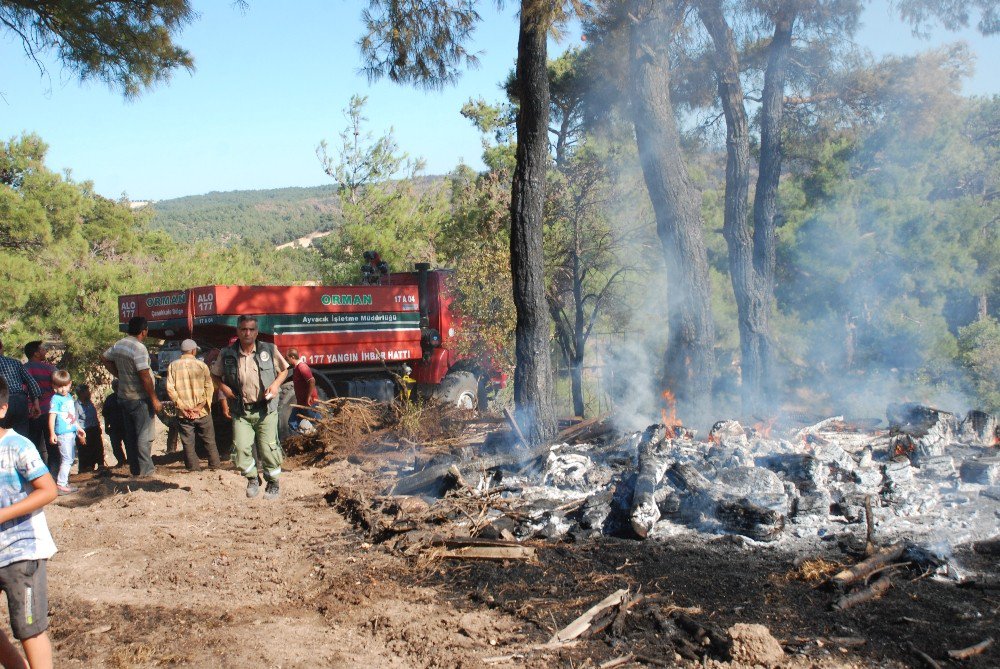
<point x="189" y="345"/>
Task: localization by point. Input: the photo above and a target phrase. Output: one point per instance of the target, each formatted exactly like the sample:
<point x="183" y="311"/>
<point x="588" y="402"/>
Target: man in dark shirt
<point x="24" y="394"/>
<point x="306" y="394"/>
<point x="41" y="372"/>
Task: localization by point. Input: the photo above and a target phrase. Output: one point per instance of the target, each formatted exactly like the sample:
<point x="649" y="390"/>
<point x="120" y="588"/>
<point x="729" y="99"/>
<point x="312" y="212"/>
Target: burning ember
<point x="669" y="414"/>
<point x="903" y="445"/>
<point x="763" y="428"/>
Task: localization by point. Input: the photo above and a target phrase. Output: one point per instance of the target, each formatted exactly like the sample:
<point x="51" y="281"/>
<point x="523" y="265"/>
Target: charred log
<point x="652" y="465"/>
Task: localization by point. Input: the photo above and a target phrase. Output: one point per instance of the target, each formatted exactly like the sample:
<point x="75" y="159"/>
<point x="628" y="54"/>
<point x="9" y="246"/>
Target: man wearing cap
<point x="190" y="387"/>
<point x="128" y="361"/>
<point x="250" y="373"/>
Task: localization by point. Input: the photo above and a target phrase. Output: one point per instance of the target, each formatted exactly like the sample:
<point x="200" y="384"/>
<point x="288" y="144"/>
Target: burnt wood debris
<point x="906" y="490"/>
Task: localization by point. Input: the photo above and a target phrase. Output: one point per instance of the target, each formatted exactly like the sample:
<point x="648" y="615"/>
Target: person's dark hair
<point x="4" y="392"/>
<point x="31" y="348"/>
<point x="244" y="318"/>
<point x="136" y="325"/>
<point x="82" y="388"/>
<point x="292" y="354"/>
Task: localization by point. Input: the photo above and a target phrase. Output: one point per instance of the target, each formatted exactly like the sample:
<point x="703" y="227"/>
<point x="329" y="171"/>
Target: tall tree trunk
<point x="576" y="382"/>
<point x="533" y="371"/>
<point x="689" y="366"/>
<point x="768" y="177"/>
<point x="751" y="252"/>
<point x="747" y="287"/>
<point x="579" y="320"/>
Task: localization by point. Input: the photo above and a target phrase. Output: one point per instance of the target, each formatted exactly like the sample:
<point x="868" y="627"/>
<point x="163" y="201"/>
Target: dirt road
<point x="183" y="570"/>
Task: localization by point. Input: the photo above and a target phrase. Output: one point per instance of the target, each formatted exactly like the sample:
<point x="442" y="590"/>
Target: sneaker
<point x="67" y="489"/>
<point x="253" y="487"/>
<point x="272" y="490"/>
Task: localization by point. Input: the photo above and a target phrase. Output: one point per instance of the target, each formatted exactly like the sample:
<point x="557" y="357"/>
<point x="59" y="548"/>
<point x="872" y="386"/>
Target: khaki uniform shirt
<point x="189" y="384"/>
<point x="251" y="391"/>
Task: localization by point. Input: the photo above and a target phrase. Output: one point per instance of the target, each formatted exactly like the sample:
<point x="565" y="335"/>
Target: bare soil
<point x="183" y="570"/>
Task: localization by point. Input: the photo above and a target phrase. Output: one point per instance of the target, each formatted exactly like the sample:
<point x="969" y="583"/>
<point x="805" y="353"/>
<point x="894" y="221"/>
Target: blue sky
<point x="270" y="83"/>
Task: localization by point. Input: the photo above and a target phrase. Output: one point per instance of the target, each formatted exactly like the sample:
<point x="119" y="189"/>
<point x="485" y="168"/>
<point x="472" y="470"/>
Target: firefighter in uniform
<point x="250" y="373"/>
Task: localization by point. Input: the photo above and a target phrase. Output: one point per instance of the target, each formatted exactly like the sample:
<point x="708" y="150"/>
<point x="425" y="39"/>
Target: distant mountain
<point x="275" y="216"/>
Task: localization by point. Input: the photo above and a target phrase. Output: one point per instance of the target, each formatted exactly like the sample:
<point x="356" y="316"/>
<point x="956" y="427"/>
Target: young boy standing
<point x="25" y="546"/>
<point x="92" y="450"/>
<point x="64" y="428"/>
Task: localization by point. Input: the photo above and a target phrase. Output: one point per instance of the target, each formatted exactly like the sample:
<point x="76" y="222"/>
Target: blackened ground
<point x="732" y="583"/>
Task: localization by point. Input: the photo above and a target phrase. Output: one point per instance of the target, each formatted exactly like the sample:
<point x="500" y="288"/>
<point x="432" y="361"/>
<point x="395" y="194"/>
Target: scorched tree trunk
<point x="690" y="366"/>
<point x="533" y="371"/>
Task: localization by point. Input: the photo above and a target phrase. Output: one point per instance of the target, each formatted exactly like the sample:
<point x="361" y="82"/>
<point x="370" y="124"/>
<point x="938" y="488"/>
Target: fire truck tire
<point x="459" y="389"/>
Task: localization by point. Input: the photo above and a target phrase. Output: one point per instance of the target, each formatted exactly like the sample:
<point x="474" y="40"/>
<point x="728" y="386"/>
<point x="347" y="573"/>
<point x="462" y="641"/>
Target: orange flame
<point x="669" y="414"/>
<point x="763" y="428"/>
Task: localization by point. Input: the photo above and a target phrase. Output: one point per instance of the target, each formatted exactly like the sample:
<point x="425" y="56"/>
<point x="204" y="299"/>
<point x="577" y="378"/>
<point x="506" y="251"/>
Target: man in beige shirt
<point x="190" y="387"/>
<point x="250" y="373"/>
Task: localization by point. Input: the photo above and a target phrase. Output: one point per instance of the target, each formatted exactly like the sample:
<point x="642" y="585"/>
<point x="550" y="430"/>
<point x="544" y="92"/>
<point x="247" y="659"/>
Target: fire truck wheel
<point x="460" y="389"/>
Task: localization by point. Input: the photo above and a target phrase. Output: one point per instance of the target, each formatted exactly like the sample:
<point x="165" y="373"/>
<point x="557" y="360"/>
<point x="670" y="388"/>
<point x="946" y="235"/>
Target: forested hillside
<point x="66" y="254"/>
<point x="274" y="216"/>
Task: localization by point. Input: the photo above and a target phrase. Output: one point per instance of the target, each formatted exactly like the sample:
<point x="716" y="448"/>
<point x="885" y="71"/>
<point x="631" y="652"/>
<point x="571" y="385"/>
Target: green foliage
<point x="418" y="42"/>
<point x="276" y="216"/>
<point x="476" y="241"/>
<point x="128" y="45"/>
<point x="496" y="123"/>
<point x="400" y="219"/>
<point x="979" y="351"/>
<point x="71" y="253"/>
<point x="888" y="248"/>
<point x="362" y="159"/>
<point x="954" y="14"/>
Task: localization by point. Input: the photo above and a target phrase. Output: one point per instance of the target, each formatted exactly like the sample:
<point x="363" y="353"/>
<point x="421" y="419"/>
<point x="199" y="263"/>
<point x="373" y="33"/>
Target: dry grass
<point x="425" y="422"/>
<point x="343" y="425"/>
<point x="346" y="426"/>
<point x="814" y="571"/>
<point x="132" y="655"/>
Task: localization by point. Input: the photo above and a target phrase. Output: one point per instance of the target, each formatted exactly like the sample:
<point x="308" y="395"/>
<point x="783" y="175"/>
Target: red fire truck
<point x="359" y="340"/>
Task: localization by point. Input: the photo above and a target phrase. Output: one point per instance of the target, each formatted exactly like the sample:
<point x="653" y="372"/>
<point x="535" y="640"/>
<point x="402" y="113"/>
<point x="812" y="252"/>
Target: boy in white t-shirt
<point x="25" y="546"/>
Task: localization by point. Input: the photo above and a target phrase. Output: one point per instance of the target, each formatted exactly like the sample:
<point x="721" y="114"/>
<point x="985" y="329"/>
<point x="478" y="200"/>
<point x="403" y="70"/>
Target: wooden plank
<point x="461" y="542"/>
<point x="582" y="624"/>
<point x="489" y="553"/>
<point x="585" y="427"/>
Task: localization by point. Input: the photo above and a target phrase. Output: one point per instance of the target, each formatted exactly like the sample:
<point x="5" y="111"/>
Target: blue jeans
<point x="295" y="418"/>
<point x="139" y="432"/>
<point x="67" y="453"/>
